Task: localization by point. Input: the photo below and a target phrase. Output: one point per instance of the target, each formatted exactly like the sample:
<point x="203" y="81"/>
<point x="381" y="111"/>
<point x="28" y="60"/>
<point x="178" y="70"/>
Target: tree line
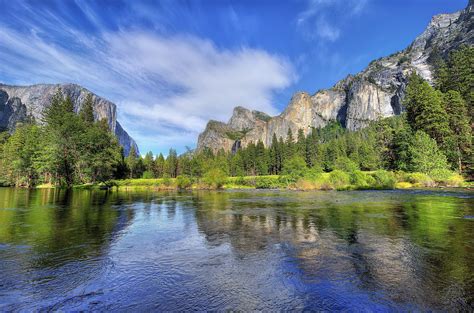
<point x="433" y="136"/>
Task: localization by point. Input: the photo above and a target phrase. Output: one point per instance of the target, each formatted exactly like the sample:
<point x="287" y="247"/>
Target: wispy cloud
<point x="326" y="30"/>
<point x="166" y="86"/>
<point x="324" y="19"/>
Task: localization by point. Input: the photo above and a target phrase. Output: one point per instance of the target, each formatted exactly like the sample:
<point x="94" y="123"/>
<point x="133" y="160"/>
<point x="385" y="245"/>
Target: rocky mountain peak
<point x="243" y="118"/>
<point x="18" y="103"/>
<point x="374" y="93"/>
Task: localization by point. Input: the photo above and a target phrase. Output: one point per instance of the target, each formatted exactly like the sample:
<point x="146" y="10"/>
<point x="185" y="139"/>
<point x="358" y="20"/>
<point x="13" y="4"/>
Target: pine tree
<point x="290" y="145"/>
<point x="100" y="155"/>
<point x="149" y="163"/>
<point x="249" y="156"/>
<point x="172" y="163"/>
<point x="185" y="165"/>
<point x="425" y="155"/>
<point x="132" y="162"/>
<point x="220" y="161"/>
<point x="461" y="75"/>
<point x="282" y="153"/>
<point x="262" y="160"/>
<point x="440" y="68"/>
<point x="397" y="154"/>
<point x="87" y="110"/>
<point x="68" y="105"/>
<point x="312" y="149"/>
<point x="425" y="110"/>
<point x="52" y="114"/>
<point x="19" y="154"/>
<point x="300" y="148"/>
<point x="459" y="153"/>
<point x="274" y="156"/>
<point x="159" y="167"/>
<point x="63" y="136"/>
<point x="236" y="165"/>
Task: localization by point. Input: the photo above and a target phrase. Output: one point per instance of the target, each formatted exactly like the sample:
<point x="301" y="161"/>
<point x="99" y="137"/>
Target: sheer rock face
<point x="19" y="103"/>
<point x="374" y="93"/>
<point x="12" y="111"/>
<point x="216" y="135"/>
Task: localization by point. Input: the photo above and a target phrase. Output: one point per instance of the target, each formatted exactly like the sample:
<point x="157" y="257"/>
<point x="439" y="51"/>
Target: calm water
<point x="352" y="251"/>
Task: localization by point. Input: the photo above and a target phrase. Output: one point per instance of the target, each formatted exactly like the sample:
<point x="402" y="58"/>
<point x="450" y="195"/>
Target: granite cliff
<point x="18" y="103"/>
<point x="374" y="93"/>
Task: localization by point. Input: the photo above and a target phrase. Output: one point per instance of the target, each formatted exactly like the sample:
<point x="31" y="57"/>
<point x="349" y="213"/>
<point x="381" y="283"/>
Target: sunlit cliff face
<point x="374" y="93"/>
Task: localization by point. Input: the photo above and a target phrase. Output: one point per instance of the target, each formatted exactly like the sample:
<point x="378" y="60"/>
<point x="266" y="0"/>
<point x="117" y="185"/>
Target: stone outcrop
<point x="19" y="103"/>
<point x="374" y="93"/>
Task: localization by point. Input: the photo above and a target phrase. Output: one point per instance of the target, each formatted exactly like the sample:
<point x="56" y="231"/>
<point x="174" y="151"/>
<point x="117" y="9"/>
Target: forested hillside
<point x="66" y="149"/>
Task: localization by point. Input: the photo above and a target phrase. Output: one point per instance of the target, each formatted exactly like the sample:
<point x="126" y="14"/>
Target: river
<point x="236" y="250"/>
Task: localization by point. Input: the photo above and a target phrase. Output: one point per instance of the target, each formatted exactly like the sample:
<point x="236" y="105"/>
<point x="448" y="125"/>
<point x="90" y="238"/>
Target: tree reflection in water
<point x="236" y="250"/>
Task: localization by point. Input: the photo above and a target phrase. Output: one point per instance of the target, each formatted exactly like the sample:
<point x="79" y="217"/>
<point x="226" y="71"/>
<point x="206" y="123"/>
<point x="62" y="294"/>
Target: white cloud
<point x="313" y="8"/>
<point x="326" y="30"/>
<point x="212" y="81"/>
<point x="315" y="23"/>
<point x="357" y="6"/>
<point x="166" y="87"/>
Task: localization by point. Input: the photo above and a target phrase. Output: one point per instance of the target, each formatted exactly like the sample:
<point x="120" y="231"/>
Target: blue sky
<point x="170" y="66"/>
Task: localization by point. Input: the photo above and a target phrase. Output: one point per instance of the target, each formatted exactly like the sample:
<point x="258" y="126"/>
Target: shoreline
<point x="336" y="180"/>
<point x="468" y="187"/>
<point x="160" y="189"/>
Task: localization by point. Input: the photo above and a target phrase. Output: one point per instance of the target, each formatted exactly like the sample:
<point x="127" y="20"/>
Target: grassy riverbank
<point x="335" y="180"/>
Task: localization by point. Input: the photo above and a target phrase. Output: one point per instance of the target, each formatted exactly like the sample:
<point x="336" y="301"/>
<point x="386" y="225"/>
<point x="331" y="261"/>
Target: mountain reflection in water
<point x="257" y="250"/>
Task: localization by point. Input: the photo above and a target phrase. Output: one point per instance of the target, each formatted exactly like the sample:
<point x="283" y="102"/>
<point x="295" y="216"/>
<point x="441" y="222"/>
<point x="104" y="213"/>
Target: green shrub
<point x="283" y="180"/>
<point x="401" y="176"/>
<point x="440" y="175"/>
<point x="419" y="179"/>
<point x="446" y="178"/>
<point x="248" y="181"/>
<point x="294" y="168"/>
<point x="138" y="182"/>
<point x="240" y="181"/>
<point x="425" y="154"/>
<point x="339" y="179"/>
<point x="215" y="178"/>
<point x="166" y="180"/>
<point x="361" y="180"/>
<point x="313" y="174"/>
<point x="183" y="182"/>
<point x="384" y="179"/>
<point x="319" y="181"/>
<point x="267" y="182"/>
<point x="403" y="185"/>
<point x="345" y="164"/>
<point x="147" y="175"/>
<point x="455" y="180"/>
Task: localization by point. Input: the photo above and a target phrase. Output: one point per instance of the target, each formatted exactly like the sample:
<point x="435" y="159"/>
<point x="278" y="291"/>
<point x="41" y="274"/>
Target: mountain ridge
<point x="19" y="103"/>
<point x="373" y="93"/>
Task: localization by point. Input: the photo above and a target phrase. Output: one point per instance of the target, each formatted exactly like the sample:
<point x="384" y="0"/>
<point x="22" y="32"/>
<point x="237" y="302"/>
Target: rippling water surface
<point x="257" y="250"/>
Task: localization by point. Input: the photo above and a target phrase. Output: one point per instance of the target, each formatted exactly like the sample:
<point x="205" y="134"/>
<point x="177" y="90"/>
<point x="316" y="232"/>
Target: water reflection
<point x="236" y="250"/>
